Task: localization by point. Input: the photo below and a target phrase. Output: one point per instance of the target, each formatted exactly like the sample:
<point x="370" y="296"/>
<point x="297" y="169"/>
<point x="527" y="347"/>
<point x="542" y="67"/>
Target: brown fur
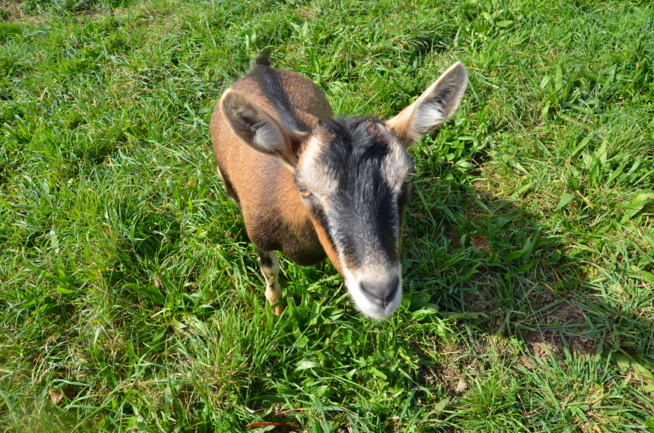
<point x="289" y="165"/>
<point x="275" y="217"/>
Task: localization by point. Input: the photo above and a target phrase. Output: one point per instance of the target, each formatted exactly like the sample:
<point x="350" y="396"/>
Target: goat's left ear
<point x="432" y="108"/>
<point x="259" y="130"/>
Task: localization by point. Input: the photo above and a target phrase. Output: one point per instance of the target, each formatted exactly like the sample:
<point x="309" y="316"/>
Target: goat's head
<point x="353" y="175"/>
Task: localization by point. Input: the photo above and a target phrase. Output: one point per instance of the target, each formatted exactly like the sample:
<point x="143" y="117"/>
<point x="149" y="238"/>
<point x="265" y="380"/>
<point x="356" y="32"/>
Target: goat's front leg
<point x="270" y="270"/>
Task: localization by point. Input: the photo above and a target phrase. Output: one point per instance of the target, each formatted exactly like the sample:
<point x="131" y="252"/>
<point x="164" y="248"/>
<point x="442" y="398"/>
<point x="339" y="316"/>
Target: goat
<point x="312" y="186"/>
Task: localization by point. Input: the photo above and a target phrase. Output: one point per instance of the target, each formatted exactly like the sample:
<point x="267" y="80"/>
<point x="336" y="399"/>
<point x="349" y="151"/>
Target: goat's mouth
<point x="377" y="295"/>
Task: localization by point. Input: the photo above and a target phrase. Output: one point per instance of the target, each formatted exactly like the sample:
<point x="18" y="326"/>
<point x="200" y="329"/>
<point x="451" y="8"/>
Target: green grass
<point x="131" y="300"/>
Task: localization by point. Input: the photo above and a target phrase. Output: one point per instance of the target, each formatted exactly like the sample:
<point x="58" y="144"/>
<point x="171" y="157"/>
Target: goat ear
<point x="432" y="108"/>
<point x="258" y="129"/>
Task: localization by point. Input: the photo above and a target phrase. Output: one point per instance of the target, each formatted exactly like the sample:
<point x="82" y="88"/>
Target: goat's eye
<point x="305" y="192"/>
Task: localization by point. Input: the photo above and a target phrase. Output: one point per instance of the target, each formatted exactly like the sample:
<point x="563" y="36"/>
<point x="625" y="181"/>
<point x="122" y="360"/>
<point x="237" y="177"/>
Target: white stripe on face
<point x="353" y="183"/>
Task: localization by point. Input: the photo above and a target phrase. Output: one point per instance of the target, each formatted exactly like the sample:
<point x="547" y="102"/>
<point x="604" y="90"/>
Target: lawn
<point x="131" y="299"/>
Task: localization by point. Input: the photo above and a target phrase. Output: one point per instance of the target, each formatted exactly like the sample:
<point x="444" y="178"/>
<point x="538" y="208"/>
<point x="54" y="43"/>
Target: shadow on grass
<point x="517" y="279"/>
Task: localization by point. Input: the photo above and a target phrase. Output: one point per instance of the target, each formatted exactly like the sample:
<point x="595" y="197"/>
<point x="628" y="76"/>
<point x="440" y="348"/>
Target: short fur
<point x="275" y="217"/>
<point x="312" y="186"/>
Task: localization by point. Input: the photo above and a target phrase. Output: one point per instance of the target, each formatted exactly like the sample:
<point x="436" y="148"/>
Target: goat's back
<point x="274" y="214"/>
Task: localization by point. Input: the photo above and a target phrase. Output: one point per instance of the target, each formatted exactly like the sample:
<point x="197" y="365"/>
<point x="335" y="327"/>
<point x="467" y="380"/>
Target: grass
<point x="131" y="300"/>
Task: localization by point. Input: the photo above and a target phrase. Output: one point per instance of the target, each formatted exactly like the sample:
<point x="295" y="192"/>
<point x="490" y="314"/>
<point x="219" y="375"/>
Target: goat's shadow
<point x="497" y="268"/>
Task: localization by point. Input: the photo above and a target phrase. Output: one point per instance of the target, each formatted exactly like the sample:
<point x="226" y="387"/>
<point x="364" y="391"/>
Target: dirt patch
<point x="566" y="315"/>
<point x="13" y="12"/>
<point x="95" y="14"/>
<point x="550" y="310"/>
<point x="448" y="378"/>
<point x="544" y="344"/>
<point x="307" y="14"/>
<point x="542" y="299"/>
<point x="483" y="301"/>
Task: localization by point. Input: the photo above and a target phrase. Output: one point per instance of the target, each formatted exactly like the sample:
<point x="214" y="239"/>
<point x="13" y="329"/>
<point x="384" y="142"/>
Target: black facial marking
<point x="366" y="208"/>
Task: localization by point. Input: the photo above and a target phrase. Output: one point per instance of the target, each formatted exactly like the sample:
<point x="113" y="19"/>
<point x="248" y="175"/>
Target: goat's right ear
<point x="258" y="129"/>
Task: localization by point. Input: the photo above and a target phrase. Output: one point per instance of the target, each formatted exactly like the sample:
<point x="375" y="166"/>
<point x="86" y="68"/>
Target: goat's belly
<point x="300" y="246"/>
<point x="306" y="257"/>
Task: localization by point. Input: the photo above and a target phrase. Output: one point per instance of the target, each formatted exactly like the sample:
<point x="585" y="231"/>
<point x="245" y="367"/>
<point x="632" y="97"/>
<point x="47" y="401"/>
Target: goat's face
<point x="353" y="176"/>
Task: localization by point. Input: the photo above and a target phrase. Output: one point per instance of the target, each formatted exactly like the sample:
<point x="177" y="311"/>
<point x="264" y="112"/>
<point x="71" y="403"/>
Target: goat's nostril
<point x="371" y="291"/>
<point x="392" y="290"/>
<point x="381" y="292"/>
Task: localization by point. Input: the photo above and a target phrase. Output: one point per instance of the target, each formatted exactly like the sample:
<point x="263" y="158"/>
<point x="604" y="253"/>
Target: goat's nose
<point x="381" y="292"/>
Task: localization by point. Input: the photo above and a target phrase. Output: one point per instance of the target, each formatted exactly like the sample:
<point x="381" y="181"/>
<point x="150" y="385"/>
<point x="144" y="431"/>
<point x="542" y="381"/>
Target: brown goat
<point x="312" y="186"/>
